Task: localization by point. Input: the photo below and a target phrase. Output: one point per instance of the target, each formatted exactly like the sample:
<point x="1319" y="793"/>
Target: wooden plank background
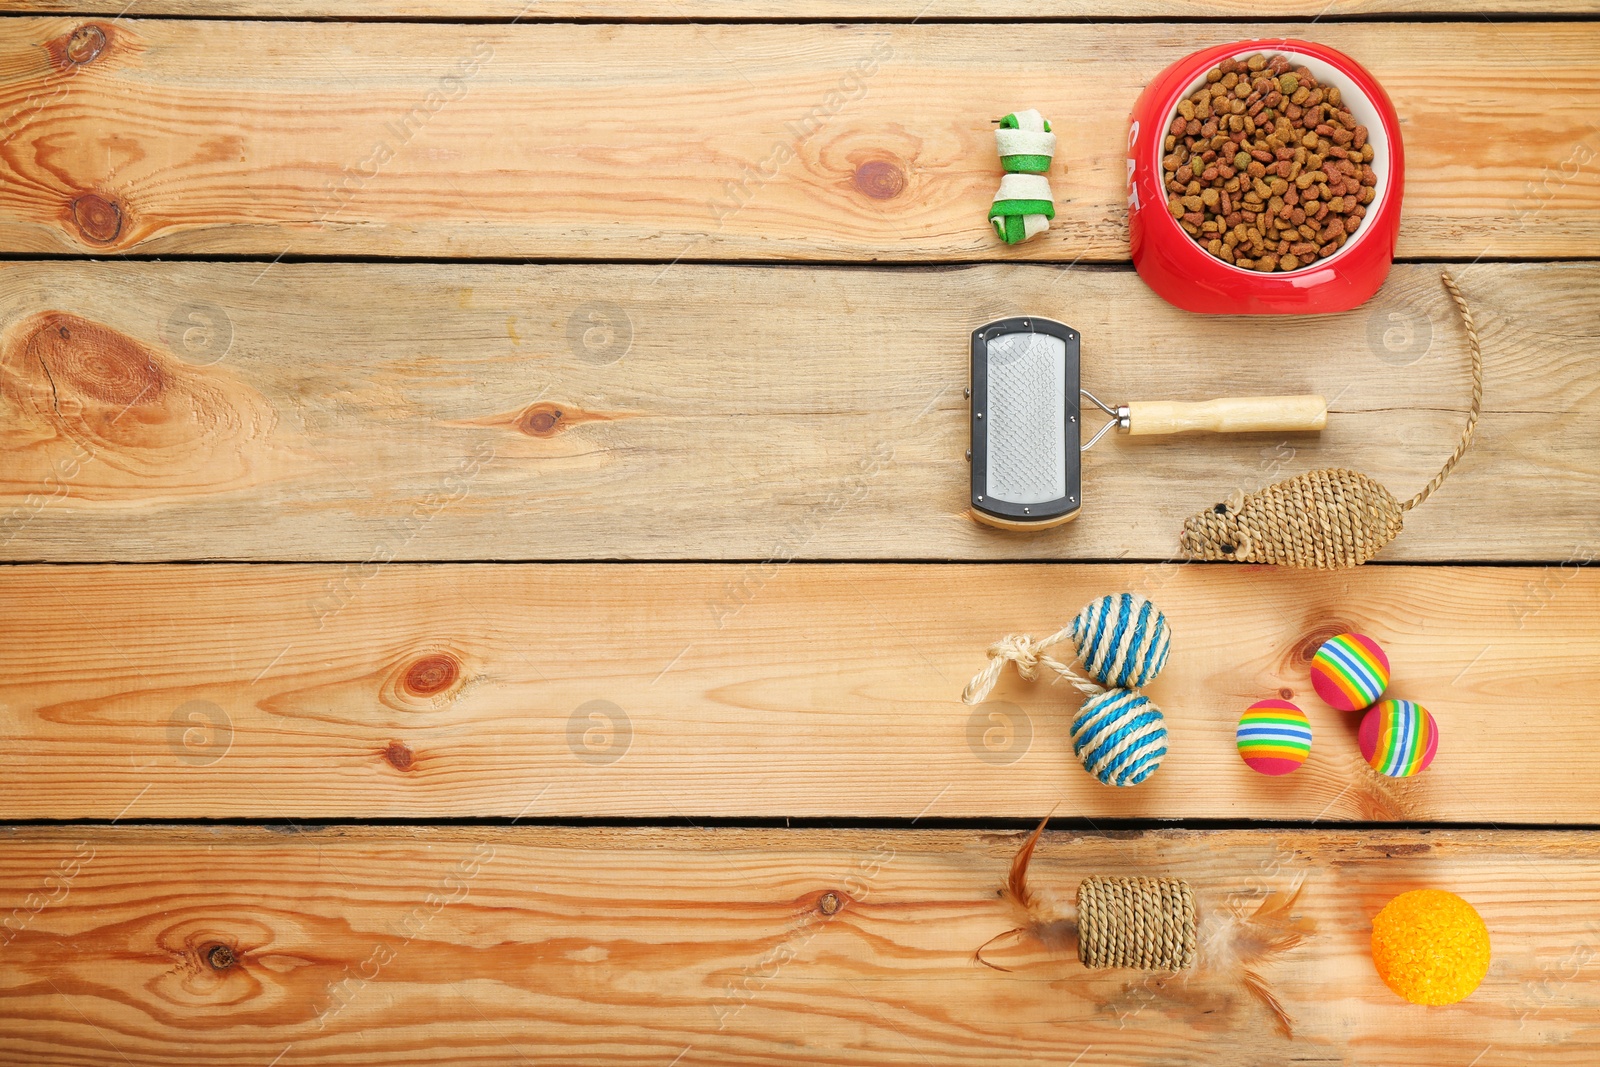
<point x="751" y="690"/>
<point x="417" y="420"/>
<point x="803" y="142"/>
<point x="629" y="946"/>
<point x="708" y="412"/>
<point x="766" y="10"/>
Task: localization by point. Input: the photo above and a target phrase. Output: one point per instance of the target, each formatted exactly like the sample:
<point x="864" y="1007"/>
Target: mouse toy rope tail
<point x="1477" y="393"/>
<point x="1324" y="518"/>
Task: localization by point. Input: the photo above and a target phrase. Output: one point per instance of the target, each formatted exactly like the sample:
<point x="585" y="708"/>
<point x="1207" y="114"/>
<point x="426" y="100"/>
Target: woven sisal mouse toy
<point x="1324" y="518"/>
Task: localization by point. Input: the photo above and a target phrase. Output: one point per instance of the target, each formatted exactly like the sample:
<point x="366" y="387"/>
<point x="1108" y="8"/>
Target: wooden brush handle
<point x="1233" y="414"/>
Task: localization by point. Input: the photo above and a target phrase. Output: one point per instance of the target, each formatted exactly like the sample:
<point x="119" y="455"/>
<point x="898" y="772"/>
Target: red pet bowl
<point x="1189" y="277"/>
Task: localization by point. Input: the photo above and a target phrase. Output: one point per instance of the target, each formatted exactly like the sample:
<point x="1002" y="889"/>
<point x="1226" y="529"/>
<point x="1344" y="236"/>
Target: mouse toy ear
<point x="1242" y="547"/>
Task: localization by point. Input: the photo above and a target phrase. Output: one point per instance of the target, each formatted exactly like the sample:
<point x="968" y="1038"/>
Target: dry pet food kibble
<point x="1265" y="168"/>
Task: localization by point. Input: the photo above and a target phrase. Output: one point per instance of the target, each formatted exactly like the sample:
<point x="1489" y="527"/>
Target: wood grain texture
<point x="674" y="10"/>
<point x="480" y="947"/>
<point x="331" y="412"/>
<point x="802" y="142"/>
<point x="693" y="690"/>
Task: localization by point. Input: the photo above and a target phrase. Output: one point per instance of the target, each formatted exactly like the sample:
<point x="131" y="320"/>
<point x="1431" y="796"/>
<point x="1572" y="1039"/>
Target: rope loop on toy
<point x="1122" y="639"/>
<point x="1029" y="656"/>
<point x="1148" y="923"/>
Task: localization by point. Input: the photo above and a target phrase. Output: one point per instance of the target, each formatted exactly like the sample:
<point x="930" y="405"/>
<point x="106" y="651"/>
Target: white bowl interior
<point x="1352" y="96"/>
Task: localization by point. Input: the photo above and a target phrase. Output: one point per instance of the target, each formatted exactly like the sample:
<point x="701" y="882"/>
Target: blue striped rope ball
<point x="1123" y="640"/>
<point x="1120" y="737"/>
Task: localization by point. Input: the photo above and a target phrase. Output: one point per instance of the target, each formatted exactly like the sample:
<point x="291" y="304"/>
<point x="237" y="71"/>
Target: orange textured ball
<point x="1431" y="947"/>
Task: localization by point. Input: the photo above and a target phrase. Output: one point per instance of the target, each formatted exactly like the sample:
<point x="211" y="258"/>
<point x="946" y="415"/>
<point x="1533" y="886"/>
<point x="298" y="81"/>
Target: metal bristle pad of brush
<point x="1027" y="442"/>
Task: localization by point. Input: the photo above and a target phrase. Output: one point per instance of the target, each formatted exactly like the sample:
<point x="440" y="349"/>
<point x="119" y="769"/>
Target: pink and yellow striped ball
<point x="1399" y="738"/>
<point x="1274" y="737"/>
<point x="1350" y="672"/>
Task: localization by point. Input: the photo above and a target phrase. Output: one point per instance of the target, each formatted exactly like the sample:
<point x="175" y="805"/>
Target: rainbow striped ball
<point x="1399" y="738"/>
<point x="1123" y="640"/>
<point x="1120" y="737"/>
<point x="1350" y="672"/>
<point x="1274" y="737"/>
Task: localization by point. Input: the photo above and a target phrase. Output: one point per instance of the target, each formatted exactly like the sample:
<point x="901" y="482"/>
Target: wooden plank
<point x="852" y="142"/>
<point x="529" y="946"/>
<point x="331" y="412"/>
<point x="752" y="10"/>
<point x="760" y="690"/>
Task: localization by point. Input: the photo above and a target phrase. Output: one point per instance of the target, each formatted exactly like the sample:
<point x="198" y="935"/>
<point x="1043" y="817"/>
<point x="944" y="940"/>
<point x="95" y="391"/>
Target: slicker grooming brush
<point x="1027" y="425"/>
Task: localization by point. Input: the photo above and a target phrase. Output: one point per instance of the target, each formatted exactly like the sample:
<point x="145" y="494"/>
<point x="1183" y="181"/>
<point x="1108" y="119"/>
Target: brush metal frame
<point x="1006" y="514"/>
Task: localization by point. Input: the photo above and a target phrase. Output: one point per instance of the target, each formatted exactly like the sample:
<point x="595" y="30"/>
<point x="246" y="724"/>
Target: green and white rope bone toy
<point x="1024" y="205"/>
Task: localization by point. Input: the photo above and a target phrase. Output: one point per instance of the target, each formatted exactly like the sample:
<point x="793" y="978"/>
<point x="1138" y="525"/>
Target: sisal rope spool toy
<point x="1324" y="518"/>
<point x="1123" y="641"/>
<point x="1024" y="205"/>
<point x="1152" y="924"/>
<point x="1145" y="923"/>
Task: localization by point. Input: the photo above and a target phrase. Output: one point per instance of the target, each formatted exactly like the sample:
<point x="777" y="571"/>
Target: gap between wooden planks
<point x="662" y="142"/>
<point x="416" y="691"/>
<point x="518" y="946"/>
<point x="415" y="411"/>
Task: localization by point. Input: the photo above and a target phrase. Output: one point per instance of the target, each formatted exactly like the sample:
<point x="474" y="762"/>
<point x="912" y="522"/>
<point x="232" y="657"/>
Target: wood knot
<point x="829" y="903"/>
<point x="98" y="219"/>
<point x="399" y="755"/>
<point x="544" y="419"/>
<point x="221" y="957"/>
<point x="1306" y="649"/>
<point x="1285" y="693"/>
<point x="880" y="179"/>
<point x="541" y="420"/>
<point x="80" y="47"/>
<point x="85" y="390"/>
<point x="85" y="359"/>
<point x="424" y="678"/>
<point x="431" y="675"/>
<point x="86" y="44"/>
